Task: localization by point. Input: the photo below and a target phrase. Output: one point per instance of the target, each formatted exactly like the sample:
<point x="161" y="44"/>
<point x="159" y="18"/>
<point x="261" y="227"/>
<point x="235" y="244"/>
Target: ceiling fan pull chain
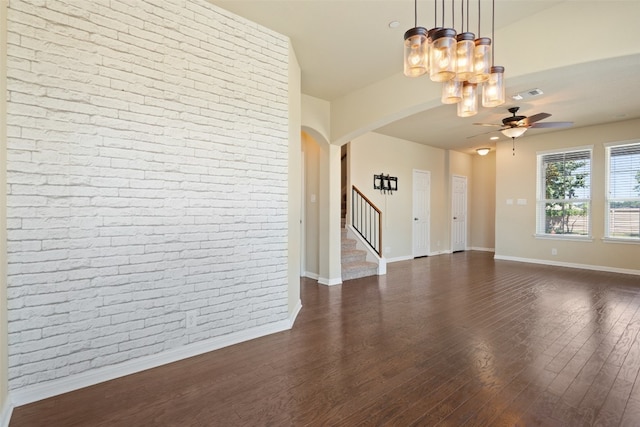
<point x="513" y="139"/>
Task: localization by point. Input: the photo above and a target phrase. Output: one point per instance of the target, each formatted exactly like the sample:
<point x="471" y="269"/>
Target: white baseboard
<point x="323" y="280"/>
<point x="294" y="314"/>
<point x="7" y="410"/>
<point x="400" y="258"/>
<point x="330" y="282"/>
<point x="569" y="264"/>
<point x="310" y="275"/>
<point x="474" y="248"/>
<point x="38" y="392"/>
<point x="442" y="252"/>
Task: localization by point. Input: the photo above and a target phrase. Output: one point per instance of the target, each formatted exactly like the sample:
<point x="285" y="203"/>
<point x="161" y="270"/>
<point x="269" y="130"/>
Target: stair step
<point x="353" y="255"/>
<point x="356" y="270"/>
<point x="353" y="261"/>
<point x="348" y="244"/>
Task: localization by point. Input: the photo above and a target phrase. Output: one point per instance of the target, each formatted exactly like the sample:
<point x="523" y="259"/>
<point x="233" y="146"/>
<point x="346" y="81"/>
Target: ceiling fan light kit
<point x="460" y="61"/>
<point x="515" y="126"/>
<point x="514" y="132"/>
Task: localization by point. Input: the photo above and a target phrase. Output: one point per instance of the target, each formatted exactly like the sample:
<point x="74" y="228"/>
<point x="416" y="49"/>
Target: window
<point x="564" y="194"/>
<point x="623" y="191"/>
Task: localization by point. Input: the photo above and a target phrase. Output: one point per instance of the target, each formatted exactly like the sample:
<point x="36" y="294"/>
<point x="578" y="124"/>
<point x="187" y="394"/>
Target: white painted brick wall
<point x="147" y="176"/>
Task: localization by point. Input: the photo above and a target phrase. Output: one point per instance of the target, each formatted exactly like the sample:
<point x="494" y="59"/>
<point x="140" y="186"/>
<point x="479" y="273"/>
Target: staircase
<point x="353" y="260"/>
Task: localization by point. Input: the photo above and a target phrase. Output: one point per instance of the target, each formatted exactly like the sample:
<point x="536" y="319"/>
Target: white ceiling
<point x="345" y="45"/>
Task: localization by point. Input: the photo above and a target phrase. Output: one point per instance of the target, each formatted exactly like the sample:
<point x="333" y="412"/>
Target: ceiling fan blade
<point x="532" y="119"/>
<point x="552" y="125"/>
<point x="487" y="124"/>
<point x="484" y="133"/>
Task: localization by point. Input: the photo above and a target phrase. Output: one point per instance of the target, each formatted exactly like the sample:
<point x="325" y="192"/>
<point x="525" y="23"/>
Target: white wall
<point x="516" y="179"/>
<point x="373" y="154"/>
<point x="295" y="185"/>
<point x="147" y="177"/>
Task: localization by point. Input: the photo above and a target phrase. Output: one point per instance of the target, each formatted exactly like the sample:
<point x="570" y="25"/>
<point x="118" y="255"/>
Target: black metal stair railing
<point x="366" y="219"/>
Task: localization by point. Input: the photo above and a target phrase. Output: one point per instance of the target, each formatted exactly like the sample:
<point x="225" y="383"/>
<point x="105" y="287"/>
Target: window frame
<point x="607" y="200"/>
<point x="541" y="199"/>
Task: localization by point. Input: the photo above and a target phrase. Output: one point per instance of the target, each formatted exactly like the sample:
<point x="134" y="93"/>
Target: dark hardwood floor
<point x="452" y="340"/>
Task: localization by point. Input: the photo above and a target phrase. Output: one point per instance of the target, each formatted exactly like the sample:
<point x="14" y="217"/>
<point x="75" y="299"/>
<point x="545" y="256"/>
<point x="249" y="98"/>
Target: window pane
<point x="624" y="181"/>
<point x="624" y="191"/>
<point x="567" y="218"/>
<point x="567" y="179"/>
<point x="625" y="222"/>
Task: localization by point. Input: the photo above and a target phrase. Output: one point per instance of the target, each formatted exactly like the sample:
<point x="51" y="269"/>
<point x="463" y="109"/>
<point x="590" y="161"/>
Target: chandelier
<point x="460" y="61"/>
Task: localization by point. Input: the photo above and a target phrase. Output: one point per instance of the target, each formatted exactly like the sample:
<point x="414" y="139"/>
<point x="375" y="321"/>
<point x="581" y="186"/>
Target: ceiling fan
<point x="516" y="126"/>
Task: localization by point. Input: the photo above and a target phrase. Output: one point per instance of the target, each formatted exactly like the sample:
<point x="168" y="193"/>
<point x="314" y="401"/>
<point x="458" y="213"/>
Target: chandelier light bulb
<point x="493" y="92"/>
<point x="464" y="56"/>
<point x="442" y="55"/>
<point x="469" y="105"/>
<point x="415" y="52"/>
<point x="482" y="60"/>
<point x="451" y="92"/>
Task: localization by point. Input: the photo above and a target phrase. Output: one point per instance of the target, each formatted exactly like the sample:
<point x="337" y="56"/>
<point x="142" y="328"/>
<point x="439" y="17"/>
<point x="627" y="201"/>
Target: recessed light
<point x="394" y="24"/>
<point x="493" y="138"/>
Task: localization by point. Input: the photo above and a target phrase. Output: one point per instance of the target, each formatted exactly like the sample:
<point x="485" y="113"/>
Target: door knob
<point x="415" y="219"/>
<point x="455" y="217"/>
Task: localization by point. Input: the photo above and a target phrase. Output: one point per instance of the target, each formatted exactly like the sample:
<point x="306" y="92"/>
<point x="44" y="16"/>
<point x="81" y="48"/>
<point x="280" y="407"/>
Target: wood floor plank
<point x="451" y="340"/>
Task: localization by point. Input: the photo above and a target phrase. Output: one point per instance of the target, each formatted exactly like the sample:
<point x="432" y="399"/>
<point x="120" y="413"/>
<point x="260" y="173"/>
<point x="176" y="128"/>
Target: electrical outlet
<point x="554" y="251"/>
<point x="191" y="319"/>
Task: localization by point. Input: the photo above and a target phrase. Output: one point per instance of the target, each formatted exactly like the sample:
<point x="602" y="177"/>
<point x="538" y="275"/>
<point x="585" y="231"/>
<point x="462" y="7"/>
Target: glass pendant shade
<point x="442" y="55"/>
<point x="482" y="60"/>
<point x="469" y="105"/>
<point x="493" y="93"/>
<point x="430" y="45"/>
<point x="415" y="52"/>
<point x="451" y="92"/>
<point x="464" y="56"/>
<point x="514" y="132"/>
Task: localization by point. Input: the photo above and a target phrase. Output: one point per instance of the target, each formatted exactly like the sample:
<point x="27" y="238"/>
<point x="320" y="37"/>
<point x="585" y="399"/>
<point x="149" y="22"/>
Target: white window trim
<point x="607" y="165"/>
<point x="588" y="238"/>
<point x="621" y="240"/>
<point x="540" y="194"/>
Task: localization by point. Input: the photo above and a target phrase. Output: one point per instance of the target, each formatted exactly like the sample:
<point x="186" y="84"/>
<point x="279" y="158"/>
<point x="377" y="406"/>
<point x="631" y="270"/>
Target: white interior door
<point x="459" y="213"/>
<point x="421" y="212"/>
